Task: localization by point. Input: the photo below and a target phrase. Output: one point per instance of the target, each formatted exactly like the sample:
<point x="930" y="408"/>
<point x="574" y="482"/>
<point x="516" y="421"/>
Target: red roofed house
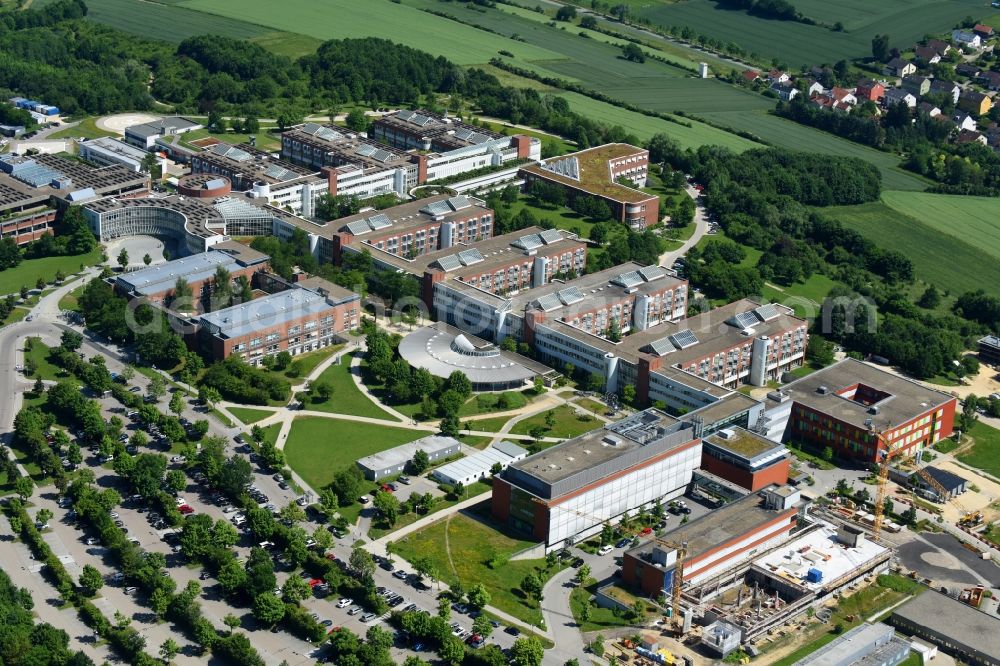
<point x="984" y="31"/>
<point x="777" y="76"/>
<point x="869" y="90"/>
<point x="843" y="95"/>
<point x="750" y="75"/>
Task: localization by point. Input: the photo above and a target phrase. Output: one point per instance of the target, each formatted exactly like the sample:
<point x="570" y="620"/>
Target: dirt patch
<point x="207" y="142"/>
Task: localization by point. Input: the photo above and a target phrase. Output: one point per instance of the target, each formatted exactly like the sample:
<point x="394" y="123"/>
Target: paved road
<point x="701" y="228"/>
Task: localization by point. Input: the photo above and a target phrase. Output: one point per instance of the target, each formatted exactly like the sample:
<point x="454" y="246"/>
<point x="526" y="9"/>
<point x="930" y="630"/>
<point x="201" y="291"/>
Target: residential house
<point x="916" y="84"/>
<point x="815" y="88"/>
<point x="895" y="96"/>
<point x="785" y="91"/>
<point x="843" y="96"/>
<point x="929" y="109"/>
<point x="975" y="102"/>
<point x="928" y="55"/>
<point x="899" y="68"/>
<point x="990" y="79"/>
<point x="777" y="76"/>
<point x="940" y="47"/>
<point x="869" y="90"/>
<point x="750" y="75"/>
<point x="966" y="136"/>
<point x="948" y="87"/>
<point x="967" y="69"/>
<point x="967" y="38"/>
<point x="964" y="121"/>
<point x="984" y="31"/>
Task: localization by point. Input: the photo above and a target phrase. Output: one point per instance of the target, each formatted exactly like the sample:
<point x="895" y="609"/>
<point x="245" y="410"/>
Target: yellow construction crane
<point x="678" y="579"/>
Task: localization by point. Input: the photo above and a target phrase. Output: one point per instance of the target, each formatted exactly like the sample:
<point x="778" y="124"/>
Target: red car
<point x="185" y="509"/>
<point x="646" y="531"/>
<point x="386" y="488"/>
<point x="315" y="581"/>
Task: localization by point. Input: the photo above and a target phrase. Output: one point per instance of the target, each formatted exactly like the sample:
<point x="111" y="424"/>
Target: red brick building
<point x="745" y="458"/>
<point x="29" y="226"/>
<point x="869" y="90"/>
<point x="839" y="406"/>
<point x="595" y="172"/>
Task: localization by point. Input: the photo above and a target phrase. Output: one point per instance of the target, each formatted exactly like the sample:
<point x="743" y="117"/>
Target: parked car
<point x="605" y="550"/>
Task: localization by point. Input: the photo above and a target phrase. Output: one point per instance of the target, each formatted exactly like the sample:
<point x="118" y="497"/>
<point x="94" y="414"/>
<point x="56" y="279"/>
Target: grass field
<point x="459" y="549"/>
<point x="39" y="353"/>
<point x="172" y="23"/>
<point x="29" y="270"/>
<point x="318" y="447"/>
<point x="265" y="140"/>
<point x="646" y="126"/>
<point x="247" y="415"/>
<point x="792" y="135"/>
<point x="69" y="301"/>
<point x="486" y="403"/>
<point x="568" y="423"/>
<point x="936" y="256"/>
<point x="905" y="20"/>
<point x="985" y="453"/>
<point x="346" y="398"/>
<point x="86" y="129"/>
<point x="342" y="19"/>
<point x="973" y="220"/>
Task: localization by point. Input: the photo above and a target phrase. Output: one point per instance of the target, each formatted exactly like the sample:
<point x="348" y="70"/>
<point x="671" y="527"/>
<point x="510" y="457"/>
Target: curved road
<point x="668" y="258"/>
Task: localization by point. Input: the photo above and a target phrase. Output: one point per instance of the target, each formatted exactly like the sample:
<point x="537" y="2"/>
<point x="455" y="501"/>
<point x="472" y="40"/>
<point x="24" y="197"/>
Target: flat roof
<point x="713" y="331"/>
<point x="482" y="461"/>
<point x="326" y="288"/>
<point x="251" y="164"/>
<point x="446" y="131"/>
<point x="605" y="450"/>
<point x="403" y="453"/>
<point x="843" y="649"/>
<point x="990" y="341"/>
<point x="244" y="254"/>
<point x="728" y="522"/>
<point x="107" y="144"/>
<point x="345" y="147"/>
<point x="161" y="126"/>
<point x="819" y="548"/>
<point x="906" y="398"/>
<point x="746" y="445"/>
<point x="442" y="352"/>
<point x="723" y="408"/>
<point x="441" y="208"/>
<point x="265" y="312"/>
<point x="959" y="622"/>
<point x="592" y="172"/>
<point x="162" y="277"/>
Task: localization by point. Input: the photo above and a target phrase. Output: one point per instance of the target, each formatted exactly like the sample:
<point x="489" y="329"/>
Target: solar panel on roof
<point x="628" y="280"/>
<point x="662" y="347"/>
<point x="469" y="257"/>
<point x="529" y="242"/>
<point x="279" y="172"/>
<point x="380" y="221"/>
<point x="744" y="320"/>
<point x="767" y="312"/>
<point x="382" y="155"/>
<point x="650" y="273"/>
<point x="449" y="263"/>
<point x="684" y="339"/>
<point x="568" y="167"/>
<point x="463" y="134"/>
<point x="365" y="150"/>
<point x="551" y="236"/>
<point x="358" y="227"/>
<point x="436" y="208"/>
<point x="459" y="202"/>
<point x="571" y="295"/>
<point x="549" y="302"/>
<point x="419" y="119"/>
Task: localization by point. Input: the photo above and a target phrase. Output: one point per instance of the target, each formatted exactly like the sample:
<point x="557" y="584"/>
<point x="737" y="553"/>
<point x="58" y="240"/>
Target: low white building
<point x="107" y="152"/>
<point x="477" y="466"/>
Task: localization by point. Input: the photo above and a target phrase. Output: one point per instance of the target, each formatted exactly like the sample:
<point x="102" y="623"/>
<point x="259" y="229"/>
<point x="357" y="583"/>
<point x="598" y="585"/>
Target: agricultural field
<point x="974" y="220"/>
<point x="905" y="20"/>
<point x="643" y="126"/>
<point x="788" y="134"/>
<point x="342" y="19"/>
<point x="171" y="23"/>
<point x="940" y="259"/>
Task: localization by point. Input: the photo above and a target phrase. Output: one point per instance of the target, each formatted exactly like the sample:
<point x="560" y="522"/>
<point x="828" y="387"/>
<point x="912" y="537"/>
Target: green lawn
<point x="39" y="353"/>
<point x="601" y="618"/>
<point x="69" y="301"/>
<point x="459" y="549"/>
<point x="487" y="403"/>
<point x="975" y="219"/>
<point x="562" y="146"/>
<point x="568" y="423"/>
<point x="265" y="140"/>
<point x="305" y="363"/>
<point x="935" y="255"/>
<point x="247" y="415"/>
<point x="169" y="22"/>
<point x="318" y="447"/>
<point x="789" y="134"/>
<point x="28" y="271"/>
<point x="346" y="398"/>
<point x="985" y="453"/>
<point x="271" y="433"/>
<point x="477" y="488"/>
<point x="86" y="129"/>
<point x="487" y="425"/>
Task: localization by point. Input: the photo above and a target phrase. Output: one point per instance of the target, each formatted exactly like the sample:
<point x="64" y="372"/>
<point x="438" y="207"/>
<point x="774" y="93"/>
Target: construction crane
<point x="678" y="577"/>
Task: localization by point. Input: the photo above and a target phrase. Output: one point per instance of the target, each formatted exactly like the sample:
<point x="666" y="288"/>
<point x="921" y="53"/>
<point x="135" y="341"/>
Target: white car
<point x="344" y="603"/>
<point x="605" y="550"/>
<point x="180" y="501"/>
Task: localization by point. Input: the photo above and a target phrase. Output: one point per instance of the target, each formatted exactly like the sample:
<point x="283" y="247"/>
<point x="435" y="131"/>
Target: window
<point x="271" y="337"/>
<point x="294" y="329"/>
<point x="255" y="342"/>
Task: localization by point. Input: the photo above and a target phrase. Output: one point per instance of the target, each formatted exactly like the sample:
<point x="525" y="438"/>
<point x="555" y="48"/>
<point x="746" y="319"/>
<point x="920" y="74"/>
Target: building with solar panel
<point x="839" y="406"/>
<point x="33" y="188"/>
<point x="415" y="228"/>
<point x="271" y="180"/>
<point x="565" y="493"/>
<point x="597" y="172"/>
